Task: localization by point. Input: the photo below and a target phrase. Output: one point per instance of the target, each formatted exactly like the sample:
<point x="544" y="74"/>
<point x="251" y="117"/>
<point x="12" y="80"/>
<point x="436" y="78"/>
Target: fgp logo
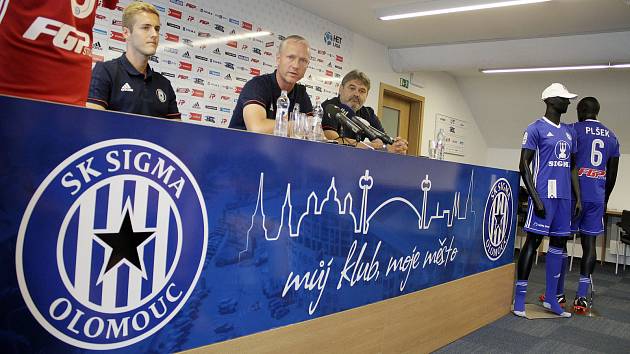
<point x="332" y="39"/>
<point x="112" y="244"/>
<point x="497" y="220"/>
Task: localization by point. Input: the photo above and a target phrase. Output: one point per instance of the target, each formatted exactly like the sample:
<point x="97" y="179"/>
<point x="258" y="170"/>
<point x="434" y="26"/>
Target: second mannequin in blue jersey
<point x="548" y="147"/>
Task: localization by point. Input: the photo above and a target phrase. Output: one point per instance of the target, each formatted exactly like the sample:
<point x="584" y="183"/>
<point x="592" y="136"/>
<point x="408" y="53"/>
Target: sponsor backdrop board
<point x="210" y="49"/>
<point x="136" y="234"/>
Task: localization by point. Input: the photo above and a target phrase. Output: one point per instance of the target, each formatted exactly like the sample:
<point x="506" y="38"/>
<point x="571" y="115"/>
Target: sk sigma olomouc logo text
<point x="497" y="219"/>
<point x="112" y="243"/>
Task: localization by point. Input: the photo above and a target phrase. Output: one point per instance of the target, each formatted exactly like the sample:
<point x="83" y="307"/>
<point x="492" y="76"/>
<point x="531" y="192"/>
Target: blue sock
<point x="583" y="285"/>
<point x="563" y="273"/>
<point x="553" y="269"/>
<point x="519" y="295"/>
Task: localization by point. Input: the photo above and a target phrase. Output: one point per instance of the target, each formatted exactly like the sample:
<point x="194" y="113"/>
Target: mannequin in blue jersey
<point x="597" y="161"/>
<point x="550" y="177"/>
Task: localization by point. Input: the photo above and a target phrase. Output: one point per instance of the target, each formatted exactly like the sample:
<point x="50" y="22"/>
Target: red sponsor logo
<point x="254" y="71"/>
<point x="185" y="66"/>
<point x="191" y="18"/>
<point x="339" y="58"/>
<point x="254" y="60"/>
<point x="246" y="25"/>
<point x="191" y="6"/>
<point x="238" y="89"/>
<point x="195" y="116"/>
<point x="269" y="44"/>
<point x="232" y="44"/>
<point x="212" y="96"/>
<point x="171" y="37"/>
<point x="117" y="36"/>
<point x="198" y="93"/>
<point x="268" y="54"/>
<point x="175" y="13"/>
<point x="183" y="90"/>
<point x="182" y="77"/>
<point x="329" y="73"/>
<point x="592" y="173"/>
<point x="204" y="22"/>
<point x="225" y="98"/>
<point x="100" y="17"/>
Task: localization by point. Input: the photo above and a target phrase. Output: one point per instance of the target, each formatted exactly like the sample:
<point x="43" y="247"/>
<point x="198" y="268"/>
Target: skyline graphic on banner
<point x="366" y="182"/>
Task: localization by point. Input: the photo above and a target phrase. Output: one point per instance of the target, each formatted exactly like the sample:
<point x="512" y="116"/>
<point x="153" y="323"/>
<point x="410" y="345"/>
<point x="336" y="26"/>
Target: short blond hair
<point x="294" y="38"/>
<point x="356" y="75"/>
<point x="135" y="8"/>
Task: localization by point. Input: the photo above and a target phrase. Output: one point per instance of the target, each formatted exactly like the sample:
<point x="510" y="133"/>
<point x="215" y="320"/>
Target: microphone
<point x="378" y="134"/>
<point x="336" y="112"/>
<point x="369" y="131"/>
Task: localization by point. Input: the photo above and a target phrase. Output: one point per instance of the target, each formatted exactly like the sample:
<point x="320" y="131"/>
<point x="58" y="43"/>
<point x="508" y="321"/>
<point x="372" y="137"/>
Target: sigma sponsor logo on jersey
<point x="171" y="38"/>
<point x="199" y="81"/>
<point x="243" y="57"/>
<point x="225" y="110"/>
<point x="198" y="93"/>
<point x="234" y="21"/>
<point x="173" y="25"/>
<point x="201" y="57"/>
<point x="203" y="34"/>
<point x="104" y="193"/>
<point x="64" y="36"/>
<point x="168" y="74"/>
<point x="214" y="73"/>
<point x="183" y="90"/>
<point x="269" y="44"/>
<point x="230" y="54"/>
<point x="219" y="28"/>
<point x="246" y="25"/>
<point x="185" y="66"/>
<point x="175" y="13"/>
<point x="254" y="71"/>
<point x="497" y="219"/>
<point x="183" y="77"/>
<point x="232" y="44"/>
<point x="195" y="116"/>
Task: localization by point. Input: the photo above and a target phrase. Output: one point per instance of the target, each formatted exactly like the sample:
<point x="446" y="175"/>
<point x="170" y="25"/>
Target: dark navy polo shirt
<point x="117" y="86"/>
<point x="263" y="90"/>
<point x="331" y="123"/>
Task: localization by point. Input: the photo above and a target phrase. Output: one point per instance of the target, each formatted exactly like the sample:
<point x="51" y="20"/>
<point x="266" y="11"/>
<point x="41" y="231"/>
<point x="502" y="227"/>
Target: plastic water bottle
<point x="294" y="120"/>
<point x="282" y="115"/>
<point x="317" y="133"/>
<point x="439" y="146"/>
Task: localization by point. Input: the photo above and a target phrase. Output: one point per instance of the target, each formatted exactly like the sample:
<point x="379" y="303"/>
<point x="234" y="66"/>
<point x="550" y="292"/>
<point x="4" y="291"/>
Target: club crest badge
<point x="112" y="244"/>
<point x="497" y="221"/>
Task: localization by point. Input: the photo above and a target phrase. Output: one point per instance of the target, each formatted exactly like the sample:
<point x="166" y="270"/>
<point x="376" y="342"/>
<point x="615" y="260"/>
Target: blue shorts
<point x="557" y="221"/>
<point x="591" y="221"/>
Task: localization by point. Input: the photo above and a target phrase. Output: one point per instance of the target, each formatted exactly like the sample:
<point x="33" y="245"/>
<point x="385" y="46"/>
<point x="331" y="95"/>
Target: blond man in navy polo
<point x="128" y="84"/>
<point x="255" y="108"/>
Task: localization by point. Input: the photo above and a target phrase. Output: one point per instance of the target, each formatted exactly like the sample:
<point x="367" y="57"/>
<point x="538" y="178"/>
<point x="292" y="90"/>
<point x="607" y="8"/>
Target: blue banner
<point x="136" y="234"/>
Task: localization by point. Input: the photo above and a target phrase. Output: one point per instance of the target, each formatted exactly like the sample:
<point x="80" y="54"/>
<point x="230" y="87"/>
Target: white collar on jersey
<point x="550" y="122"/>
<point x="591" y="120"/>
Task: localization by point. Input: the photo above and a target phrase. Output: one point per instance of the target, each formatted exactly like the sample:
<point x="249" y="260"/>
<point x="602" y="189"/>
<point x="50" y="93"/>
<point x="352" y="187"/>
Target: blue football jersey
<point x="596" y="145"/>
<point x="553" y="145"/>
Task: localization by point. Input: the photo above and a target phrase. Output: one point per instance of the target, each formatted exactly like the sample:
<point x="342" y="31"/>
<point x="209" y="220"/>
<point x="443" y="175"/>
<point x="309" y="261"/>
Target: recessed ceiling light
<point x="428" y="8"/>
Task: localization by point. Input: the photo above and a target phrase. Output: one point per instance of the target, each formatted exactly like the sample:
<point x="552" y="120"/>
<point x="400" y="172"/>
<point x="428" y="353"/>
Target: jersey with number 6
<point x="596" y="145"/>
<point x="45" y="48"/>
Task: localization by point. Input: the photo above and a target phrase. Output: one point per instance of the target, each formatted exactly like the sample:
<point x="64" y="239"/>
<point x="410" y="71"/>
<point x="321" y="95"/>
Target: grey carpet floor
<point x="607" y="333"/>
